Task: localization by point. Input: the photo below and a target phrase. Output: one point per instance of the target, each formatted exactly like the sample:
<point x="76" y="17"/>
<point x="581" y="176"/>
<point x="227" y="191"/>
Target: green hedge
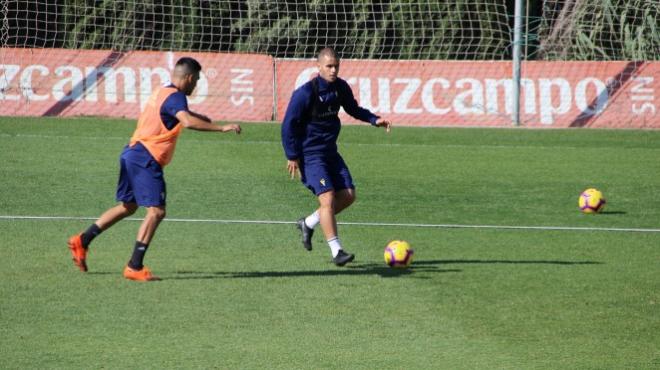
<point x="399" y="29"/>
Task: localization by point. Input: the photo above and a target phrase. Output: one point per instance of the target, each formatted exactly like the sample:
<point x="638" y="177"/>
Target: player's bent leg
<point x="343" y="199"/>
<point x="327" y="211"/>
<point x="150" y="223"/>
<point x="138" y="271"/>
<point x="79" y="242"/>
<point x="116" y="214"/>
<point x="327" y="214"/>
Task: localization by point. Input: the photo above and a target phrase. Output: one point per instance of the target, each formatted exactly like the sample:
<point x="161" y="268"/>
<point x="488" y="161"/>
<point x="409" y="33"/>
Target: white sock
<point x="312" y="220"/>
<point x="335" y="246"/>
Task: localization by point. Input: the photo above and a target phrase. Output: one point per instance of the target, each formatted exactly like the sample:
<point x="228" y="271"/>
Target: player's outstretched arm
<point x="352" y="107"/>
<point x="382" y="122"/>
<point x="200" y="116"/>
<point x="199" y="122"/>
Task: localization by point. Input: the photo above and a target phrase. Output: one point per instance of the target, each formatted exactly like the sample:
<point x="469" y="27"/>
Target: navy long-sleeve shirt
<point x="311" y="124"/>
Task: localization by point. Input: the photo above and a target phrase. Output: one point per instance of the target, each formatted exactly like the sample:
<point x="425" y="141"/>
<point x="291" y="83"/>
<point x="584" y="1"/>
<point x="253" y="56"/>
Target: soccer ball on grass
<point x="591" y="201"/>
<point x="398" y="254"/>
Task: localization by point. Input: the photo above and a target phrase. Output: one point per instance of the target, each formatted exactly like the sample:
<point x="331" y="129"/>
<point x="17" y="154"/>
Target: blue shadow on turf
<point x="356" y="269"/>
<point x="514" y="262"/>
<point x="361" y="269"/>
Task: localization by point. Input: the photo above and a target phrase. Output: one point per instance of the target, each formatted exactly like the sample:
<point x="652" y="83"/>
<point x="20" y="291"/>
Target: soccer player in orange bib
<point x="141" y="180"/>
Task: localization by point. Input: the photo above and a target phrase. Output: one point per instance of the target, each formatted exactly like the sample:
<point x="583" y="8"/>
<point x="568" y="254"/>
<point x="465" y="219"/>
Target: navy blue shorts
<point x="141" y="178"/>
<point x="322" y="173"/>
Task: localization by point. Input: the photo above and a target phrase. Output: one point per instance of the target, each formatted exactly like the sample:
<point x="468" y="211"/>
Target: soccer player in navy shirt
<point x="309" y="136"/>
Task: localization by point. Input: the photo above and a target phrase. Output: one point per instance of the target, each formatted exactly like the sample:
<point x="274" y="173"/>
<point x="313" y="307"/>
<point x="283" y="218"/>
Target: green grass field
<point x="580" y="294"/>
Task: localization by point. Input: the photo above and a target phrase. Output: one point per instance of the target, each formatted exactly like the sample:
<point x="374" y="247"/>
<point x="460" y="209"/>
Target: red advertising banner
<point x="58" y="82"/>
<point x="457" y="93"/>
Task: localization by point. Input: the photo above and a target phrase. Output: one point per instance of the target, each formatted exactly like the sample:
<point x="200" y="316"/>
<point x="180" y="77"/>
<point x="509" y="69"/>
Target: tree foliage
<point x="600" y="30"/>
<point x="375" y="29"/>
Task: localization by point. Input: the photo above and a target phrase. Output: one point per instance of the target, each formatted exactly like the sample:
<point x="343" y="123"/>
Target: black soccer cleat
<point x="343" y="258"/>
<point x="306" y="234"/>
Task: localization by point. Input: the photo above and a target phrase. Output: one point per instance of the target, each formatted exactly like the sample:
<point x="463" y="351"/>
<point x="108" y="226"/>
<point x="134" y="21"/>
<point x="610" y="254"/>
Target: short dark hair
<point x="191" y="65"/>
<point x="328" y="51"/>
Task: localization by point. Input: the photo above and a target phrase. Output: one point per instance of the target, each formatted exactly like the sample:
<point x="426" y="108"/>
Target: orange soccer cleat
<point x="78" y="252"/>
<point x="143" y="274"/>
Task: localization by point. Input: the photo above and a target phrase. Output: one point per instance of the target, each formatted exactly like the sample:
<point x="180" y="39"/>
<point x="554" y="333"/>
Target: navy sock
<point x="138" y="256"/>
<point x="89" y="235"/>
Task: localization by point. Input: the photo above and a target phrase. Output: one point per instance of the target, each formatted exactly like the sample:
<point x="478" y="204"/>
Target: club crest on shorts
<point x="322" y="181"/>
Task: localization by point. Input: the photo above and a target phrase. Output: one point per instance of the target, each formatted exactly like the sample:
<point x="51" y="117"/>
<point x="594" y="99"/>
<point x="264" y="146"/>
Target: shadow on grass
<point x="356" y="269"/>
<point x="422" y="267"/>
<point x="513" y="262"/>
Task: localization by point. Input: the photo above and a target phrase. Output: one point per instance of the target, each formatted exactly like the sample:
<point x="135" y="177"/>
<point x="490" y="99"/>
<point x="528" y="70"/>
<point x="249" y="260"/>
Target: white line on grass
<point x="276" y="142"/>
<point x="376" y="224"/>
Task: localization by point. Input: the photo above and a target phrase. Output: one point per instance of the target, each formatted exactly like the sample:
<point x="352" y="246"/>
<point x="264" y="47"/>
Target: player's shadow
<point x="356" y="269"/>
<point x="512" y="262"/>
<point x="419" y="269"/>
